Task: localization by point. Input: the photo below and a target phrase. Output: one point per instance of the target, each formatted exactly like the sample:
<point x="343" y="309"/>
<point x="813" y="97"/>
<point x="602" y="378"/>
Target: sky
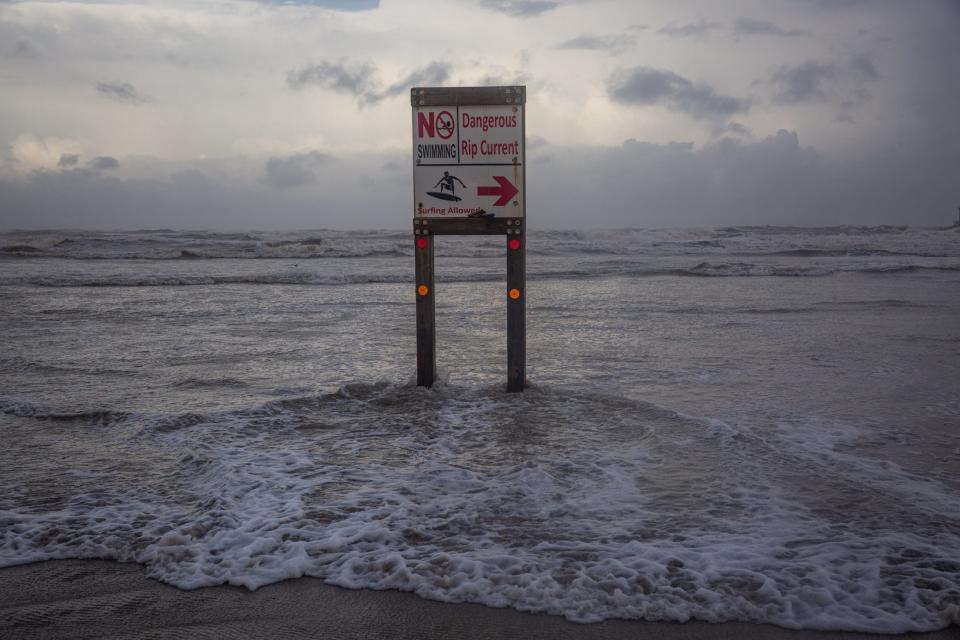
<point x="248" y="114"/>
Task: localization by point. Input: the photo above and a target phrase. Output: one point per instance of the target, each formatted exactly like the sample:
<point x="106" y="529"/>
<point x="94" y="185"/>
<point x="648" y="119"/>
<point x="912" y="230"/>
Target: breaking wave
<point x="304" y="245"/>
<point x="466" y="274"/>
<point x="578" y="504"/>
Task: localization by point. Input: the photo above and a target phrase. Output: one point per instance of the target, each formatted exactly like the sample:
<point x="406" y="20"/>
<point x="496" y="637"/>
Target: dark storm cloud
<point x="359" y="79"/>
<point x="520" y="8"/>
<point x="610" y="44"/>
<point x="68" y="160"/>
<point x="342" y="76"/>
<point x="844" y="83"/>
<point x="802" y="82"/>
<point x="121" y="91"/>
<point x="435" y="73"/>
<point x="294" y="170"/>
<point x="500" y="78"/>
<point x="647" y="86"/>
<point x="102" y="163"/>
<point x="754" y="27"/>
<point x="688" y="30"/>
<point x="82" y="198"/>
<point x="88" y="199"/>
<point x="776" y="180"/>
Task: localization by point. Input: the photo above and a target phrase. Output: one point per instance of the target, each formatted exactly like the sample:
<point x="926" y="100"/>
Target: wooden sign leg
<point x="426" y="312"/>
<point x="516" y="311"/>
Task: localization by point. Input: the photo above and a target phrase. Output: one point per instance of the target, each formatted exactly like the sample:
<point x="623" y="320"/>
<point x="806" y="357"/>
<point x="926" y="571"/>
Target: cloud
<point x="339" y="5"/>
<point x="30" y="153"/>
<point x="122" y="92"/>
<point x="358" y="79"/>
<point x="649" y="86"/>
<point x="910" y="116"/>
<point x="294" y="170"/>
<point x="844" y="83"/>
<point x="536" y="142"/>
<point x="502" y="80"/>
<point x="222" y="195"/>
<point x="754" y="27"/>
<point x="838" y="4"/>
<point x="343" y="77"/>
<point x="611" y="44"/>
<point x="23" y="49"/>
<point x="520" y="8"/>
<point x="68" y="160"/>
<point x="102" y="163"/>
<point x="435" y="73"/>
<point x="775" y="180"/>
<point x="802" y="82"/>
<point x="863" y="67"/>
<point x="772" y="180"/>
<point x="731" y="129"/>
<point x="688" y="30"/>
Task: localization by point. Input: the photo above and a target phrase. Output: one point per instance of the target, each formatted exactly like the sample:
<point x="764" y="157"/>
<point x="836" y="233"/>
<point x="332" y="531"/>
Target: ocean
<point x="740" y="423"/>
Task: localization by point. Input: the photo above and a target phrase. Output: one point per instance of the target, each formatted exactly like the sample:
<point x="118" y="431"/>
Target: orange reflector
<point x="514" y="293"/>
<point x="514" y="243"/>
<point x="422" y="243"/>
<point x="423" y="289"/>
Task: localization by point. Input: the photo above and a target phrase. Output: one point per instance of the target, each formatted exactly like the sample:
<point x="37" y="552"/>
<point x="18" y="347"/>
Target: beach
<point x="98" y="599"/>
<point x="752" y="426"/>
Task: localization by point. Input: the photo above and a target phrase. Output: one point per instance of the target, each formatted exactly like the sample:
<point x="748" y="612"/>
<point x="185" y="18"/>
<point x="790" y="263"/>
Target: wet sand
<point x="100" y="599"/>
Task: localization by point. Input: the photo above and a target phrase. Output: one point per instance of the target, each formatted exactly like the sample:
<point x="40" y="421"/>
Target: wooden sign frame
<point x="513" y="228"/>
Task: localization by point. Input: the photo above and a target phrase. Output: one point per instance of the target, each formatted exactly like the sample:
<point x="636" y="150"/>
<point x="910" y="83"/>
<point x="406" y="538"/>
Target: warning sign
<point x="468" y="160"/>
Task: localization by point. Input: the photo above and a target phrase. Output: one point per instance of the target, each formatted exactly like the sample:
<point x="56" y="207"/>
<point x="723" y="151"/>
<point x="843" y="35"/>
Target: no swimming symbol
<point x="445" y="124"/>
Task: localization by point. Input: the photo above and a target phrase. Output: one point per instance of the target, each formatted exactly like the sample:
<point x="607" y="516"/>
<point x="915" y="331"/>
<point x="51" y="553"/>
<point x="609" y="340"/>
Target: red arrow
<point x="506" y="190"/>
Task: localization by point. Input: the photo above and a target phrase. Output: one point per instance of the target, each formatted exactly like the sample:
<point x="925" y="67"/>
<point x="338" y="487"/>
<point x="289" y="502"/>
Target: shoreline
<point x="106" y="599"/>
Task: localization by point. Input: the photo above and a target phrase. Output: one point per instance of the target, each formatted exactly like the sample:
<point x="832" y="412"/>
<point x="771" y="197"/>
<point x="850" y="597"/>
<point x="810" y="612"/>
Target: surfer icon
<point x="446" y="183"/>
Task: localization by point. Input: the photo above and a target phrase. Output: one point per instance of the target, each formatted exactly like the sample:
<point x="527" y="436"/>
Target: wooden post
<point x="516" y="306"/>
<point x="426" y="307"/>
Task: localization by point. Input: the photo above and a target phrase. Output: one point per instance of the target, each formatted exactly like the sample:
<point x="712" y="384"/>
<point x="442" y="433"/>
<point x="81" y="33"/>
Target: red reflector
<point x="421" y="243"/>
<point x="514" y="243"/>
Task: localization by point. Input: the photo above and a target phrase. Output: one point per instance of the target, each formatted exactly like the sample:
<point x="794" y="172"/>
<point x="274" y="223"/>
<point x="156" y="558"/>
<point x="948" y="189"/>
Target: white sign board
<point x="468" y="161"/>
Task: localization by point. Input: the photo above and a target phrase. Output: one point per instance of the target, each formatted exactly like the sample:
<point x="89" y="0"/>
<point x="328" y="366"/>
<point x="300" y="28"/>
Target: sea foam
<point x="583" y="505"/>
